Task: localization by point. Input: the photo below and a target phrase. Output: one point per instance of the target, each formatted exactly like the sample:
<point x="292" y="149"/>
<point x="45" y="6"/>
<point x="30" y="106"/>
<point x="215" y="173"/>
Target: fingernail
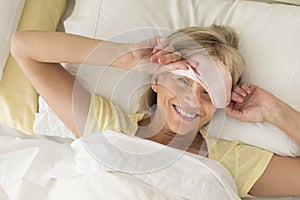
<point x="161" y="60"/>
<point x="153" y="58"/>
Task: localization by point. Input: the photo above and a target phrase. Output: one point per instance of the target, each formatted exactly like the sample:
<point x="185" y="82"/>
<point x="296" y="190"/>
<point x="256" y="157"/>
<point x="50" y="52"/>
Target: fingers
<point x="246" y="87"/>
<point x="178" y="65"/>
<point x="163" y="52"/>
<point x="155" y="44"/>
<point x="159" y="43"/>
<point x="240" y="93"/>
<point x="234" y="113"/>
<point x="165" y="57"/>
<point x="194" y="64"/>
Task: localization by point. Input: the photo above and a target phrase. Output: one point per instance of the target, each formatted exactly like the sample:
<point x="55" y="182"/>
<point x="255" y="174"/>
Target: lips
<point x="185" y="114"/>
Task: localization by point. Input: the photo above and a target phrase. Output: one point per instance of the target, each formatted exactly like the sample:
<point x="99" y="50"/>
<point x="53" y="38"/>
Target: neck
<point x="154" y="129"/>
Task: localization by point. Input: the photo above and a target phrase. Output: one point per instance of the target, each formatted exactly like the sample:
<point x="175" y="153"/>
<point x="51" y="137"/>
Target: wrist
<point x="125" y="59"/>
<point x="288" y="120"/>
<point x="278" y="113"/>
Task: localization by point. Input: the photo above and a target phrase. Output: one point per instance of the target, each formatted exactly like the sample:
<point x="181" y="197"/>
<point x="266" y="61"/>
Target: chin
<point x="185" y="129"/>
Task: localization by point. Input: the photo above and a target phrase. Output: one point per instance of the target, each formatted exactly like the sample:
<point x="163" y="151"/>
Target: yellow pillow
<point x="18" y="99"/>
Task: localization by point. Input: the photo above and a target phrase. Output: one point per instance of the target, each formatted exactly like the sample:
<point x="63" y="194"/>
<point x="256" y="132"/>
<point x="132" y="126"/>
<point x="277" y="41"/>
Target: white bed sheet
<point x="43" y="168"/>
<point x="47" y="168"/>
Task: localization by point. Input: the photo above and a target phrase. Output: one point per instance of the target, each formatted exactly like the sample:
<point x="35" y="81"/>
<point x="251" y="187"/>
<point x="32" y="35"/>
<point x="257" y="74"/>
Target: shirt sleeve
<point x="103" y="115"/>
<point x="245" y="163"/>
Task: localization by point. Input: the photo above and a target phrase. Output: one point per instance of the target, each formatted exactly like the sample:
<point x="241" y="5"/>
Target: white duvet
<point x="43" y="168"/>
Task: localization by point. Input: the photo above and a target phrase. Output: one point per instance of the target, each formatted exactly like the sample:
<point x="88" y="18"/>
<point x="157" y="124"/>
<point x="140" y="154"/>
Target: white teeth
<point x="185" y="113"/>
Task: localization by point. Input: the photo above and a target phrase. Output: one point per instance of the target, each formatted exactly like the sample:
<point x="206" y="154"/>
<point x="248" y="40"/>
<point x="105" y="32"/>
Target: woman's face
<point x="186" y="103"/>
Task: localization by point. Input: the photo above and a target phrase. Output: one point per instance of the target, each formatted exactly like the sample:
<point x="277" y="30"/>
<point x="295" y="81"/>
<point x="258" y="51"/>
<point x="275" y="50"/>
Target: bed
<point x="41" y="159"/>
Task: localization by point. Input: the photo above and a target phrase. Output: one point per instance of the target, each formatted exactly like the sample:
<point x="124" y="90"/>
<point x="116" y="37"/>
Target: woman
<point x="257" y="172"/>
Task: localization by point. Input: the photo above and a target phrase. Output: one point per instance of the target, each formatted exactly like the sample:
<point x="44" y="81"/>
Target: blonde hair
<point x="217" y="41"/>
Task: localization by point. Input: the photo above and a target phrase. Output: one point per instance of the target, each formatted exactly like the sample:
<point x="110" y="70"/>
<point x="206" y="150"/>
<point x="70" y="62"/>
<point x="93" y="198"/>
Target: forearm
<point x="287" y="119"/>
<point x="57" y="47"/>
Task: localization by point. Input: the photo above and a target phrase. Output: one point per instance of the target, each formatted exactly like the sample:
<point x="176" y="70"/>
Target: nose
<point x="193" y="97"/>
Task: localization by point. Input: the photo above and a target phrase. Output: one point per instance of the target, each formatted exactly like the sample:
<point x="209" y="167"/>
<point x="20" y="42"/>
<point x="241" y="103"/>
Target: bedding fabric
<point x="18" y="100"/>
<point x="36" y="168"/>
<point x="292" y="2"/>
<point x="49" y="168"/>
<point x="11" y="11"/>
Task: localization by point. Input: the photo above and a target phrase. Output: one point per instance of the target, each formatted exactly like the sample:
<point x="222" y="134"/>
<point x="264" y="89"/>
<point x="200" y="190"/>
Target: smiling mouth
<point x="185" y="113"/>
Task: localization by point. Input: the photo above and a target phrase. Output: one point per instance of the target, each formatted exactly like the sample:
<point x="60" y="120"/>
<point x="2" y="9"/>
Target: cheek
<point x="211" y="109"/>
<point x="208" y="110"/>
<point x="163" y="95"/>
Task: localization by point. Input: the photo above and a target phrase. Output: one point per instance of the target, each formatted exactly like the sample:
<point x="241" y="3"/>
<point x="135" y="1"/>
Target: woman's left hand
<point x="251" y="103"/>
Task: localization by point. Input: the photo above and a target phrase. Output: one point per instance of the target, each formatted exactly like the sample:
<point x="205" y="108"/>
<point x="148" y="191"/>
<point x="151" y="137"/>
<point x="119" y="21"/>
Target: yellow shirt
<point x="244" y="162"/>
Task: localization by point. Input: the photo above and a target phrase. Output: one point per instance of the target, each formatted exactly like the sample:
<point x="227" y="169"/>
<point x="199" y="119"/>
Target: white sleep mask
<point x="214" y="77"/>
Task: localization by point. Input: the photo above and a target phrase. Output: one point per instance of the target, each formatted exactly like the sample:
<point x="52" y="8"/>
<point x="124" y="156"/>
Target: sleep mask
<point x="213" y="76"/>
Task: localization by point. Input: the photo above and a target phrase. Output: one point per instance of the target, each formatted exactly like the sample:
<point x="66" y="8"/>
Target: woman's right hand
<point x="155" y="55"/>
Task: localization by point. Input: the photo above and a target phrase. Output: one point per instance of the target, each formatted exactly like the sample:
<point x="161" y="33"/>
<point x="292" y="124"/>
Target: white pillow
<point x="269" y="41"/>
<point x="11" y="11"/>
